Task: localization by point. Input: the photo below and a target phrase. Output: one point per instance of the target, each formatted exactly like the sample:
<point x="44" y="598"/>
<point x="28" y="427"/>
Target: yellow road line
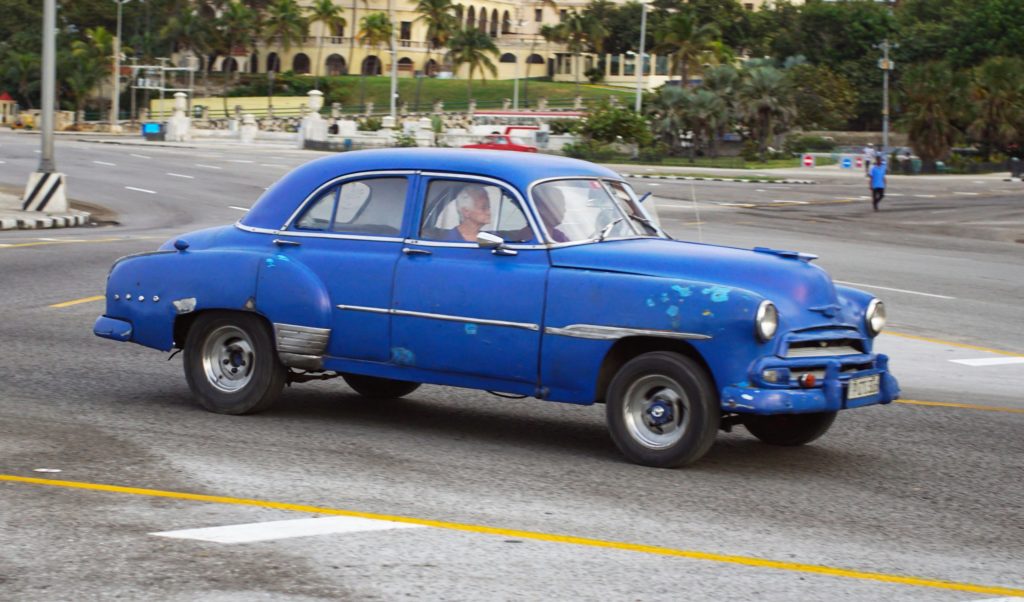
<point x="537" y="536"/>
<point x="965" y="406"/>
<point x="71" y="241"/>
<point x="77" y="301"/>
<point x="952" y="344"/>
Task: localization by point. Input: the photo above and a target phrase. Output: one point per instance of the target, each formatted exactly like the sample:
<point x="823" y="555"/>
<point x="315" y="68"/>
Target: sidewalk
<point x="12" y="219"/>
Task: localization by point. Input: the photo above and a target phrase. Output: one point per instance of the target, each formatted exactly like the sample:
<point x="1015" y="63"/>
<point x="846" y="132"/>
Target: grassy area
<point x="353" y="91"/>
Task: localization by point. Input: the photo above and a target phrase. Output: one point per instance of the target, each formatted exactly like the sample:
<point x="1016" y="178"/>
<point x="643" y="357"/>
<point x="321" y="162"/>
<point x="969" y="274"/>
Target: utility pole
<point x="115" y="98"/>
<point x="886" y="66"/>
<point x="640" y="57"/>
<point x="394" y="65"/>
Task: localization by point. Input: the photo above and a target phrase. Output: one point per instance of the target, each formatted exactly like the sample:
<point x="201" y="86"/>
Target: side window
<point x="456" y="211"/>
<point x="373" y="206"/>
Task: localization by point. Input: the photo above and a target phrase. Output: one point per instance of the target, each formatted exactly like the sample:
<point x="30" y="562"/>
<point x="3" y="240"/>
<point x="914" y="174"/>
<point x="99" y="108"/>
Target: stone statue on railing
<point x="312" y="126"/>
<point x="335" y="110"/>
<point x="247" y="132"/>
<point x="506" y="104"/>
<point x="577" y="102"/>
<point x="438" y="107"/>
<point x="542" y="103"/>
<point x="179" y="126"/>
<point x="369" y="108"/>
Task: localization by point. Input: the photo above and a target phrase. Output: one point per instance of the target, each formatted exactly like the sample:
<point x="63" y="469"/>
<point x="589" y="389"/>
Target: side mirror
<point x="495" y="243"/>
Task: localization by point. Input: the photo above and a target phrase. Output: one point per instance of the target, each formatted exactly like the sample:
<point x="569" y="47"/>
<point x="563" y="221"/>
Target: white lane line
<point x="898" y="290"/>
<point x="791" y="202"/>
<point x="653" y="184"/>
<point x="207" y="166"/>
<point x="736" y="204"/>
<point x="990" y="361"/>
<point x="140" y="156"/>
<point x="284" y="529"/>
<point x="141" y="190"/>
<point x="966" y="193"/>
<point x="894" y="194"/>
<point x="925" y="196"/>
<point x="239" y="161"/>
<point x="273" y="165"/>
<point x="979" y="181"/>
<point x="105" y="163"/>
<point x="238" y="208"/>
<point x="180" y="175"/>
<point x="3" y="162"/>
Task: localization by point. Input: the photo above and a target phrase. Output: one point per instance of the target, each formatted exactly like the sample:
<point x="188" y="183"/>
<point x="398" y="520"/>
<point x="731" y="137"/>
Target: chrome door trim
<point x="319" y="234"/>
<point x="445" y="317"/>
<point x="608" y="333"/>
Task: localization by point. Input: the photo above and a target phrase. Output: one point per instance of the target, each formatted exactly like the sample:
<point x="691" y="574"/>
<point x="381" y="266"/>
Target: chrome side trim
<point x="446" y="317"/>
<point x="608" y="333"/>
<point x="300" y="340"/>
<point x="301" y="234"/>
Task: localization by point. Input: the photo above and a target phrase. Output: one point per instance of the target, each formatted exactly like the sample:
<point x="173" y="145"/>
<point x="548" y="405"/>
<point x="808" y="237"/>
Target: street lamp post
<point x="115" y="98"/>
<point x="49" y="87"/>
<point x="640" y="57"/>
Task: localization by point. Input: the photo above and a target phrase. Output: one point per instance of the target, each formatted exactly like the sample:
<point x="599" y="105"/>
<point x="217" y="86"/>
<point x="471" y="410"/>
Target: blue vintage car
<point x="528" y="275"/>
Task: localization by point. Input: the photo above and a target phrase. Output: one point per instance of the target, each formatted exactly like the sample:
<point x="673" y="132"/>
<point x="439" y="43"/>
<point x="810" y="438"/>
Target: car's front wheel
<point x="789" y="429"/>
<point x="231" y="365"/>
<point x="379" y="388"/>
<point x="662" y="410"/>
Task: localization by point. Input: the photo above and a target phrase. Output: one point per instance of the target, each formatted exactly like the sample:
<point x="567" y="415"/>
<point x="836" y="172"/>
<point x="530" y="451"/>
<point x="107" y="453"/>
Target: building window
<point x="406" y="31"/>
<point x="562" y="14"/>
<point x="748" y="5"/>
<point x="538" y="14"/>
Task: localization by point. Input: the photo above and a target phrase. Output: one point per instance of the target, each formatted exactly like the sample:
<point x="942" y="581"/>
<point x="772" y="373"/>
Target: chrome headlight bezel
<point x="874" y="317"/>
<point x="766" y="322"/>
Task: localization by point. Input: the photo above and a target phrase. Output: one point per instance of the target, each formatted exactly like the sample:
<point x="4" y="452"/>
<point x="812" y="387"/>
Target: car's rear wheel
<point x="231" y="364"/>
<point x="789" y="429"/>
<point x="662" y="410"/>
<point x="379" y="388"/>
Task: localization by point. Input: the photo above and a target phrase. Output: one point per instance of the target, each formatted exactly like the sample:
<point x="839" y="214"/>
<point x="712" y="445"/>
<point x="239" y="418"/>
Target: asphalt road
<point x="492" y="499"/>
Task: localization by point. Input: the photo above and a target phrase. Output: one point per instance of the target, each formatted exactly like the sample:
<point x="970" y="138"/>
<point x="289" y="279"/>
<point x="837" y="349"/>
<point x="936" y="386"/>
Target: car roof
<point x="278" y="203"/>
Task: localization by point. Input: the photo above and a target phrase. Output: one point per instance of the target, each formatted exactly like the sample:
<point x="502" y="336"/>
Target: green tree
<point x="931" y="101"/>
<point x="79" y="76"/>
<point x="439" y="17"/>
<point x="474" y="48"/>
<point x="285" y="24"/>
<point x="723" y="81"/>
<point x="666" y="111"/>
<point x="706" y="112"/>
<point x="823" y="98"/>
<point x="689" y="43"/>
<point x="23" y="69"/>
<point x="997" y="97"/>
<point x="766" y="104"/>
<point x="329" y="15"/>
<point x="235" y="27"/>
<point x="375" y="31"/>
<point x="576" y="36"/>
<point x="186" y="31"/>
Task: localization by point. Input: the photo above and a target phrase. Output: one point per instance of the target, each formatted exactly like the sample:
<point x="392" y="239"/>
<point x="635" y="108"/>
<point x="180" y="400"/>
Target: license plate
<point x="862" y="387"/>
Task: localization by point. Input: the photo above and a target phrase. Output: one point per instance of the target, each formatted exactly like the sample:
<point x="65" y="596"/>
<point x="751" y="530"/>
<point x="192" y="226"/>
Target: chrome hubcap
<point x="656" y="411"/>
<point x="228" y="358"/>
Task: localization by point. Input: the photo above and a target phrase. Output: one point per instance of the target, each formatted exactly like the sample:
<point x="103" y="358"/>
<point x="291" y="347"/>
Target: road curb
<point x="1013" y="179"/>
<point x="24" y="220"/>
<point x="741" y="180"/>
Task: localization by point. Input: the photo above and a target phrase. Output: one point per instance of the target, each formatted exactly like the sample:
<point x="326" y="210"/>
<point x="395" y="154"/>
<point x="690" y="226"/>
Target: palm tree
<point x="997" y="95"/>
<point x="686" y="41"/>
<point x="470" y="47"/>
<point x="327" y="13"/>
<point x="723" y="82"/>
<point x="576" y="28"/>
<point x="931" y="103"/>
<point x="285" y="24"/>
<point x="706" y="112"/>
<point x="533" y="45"/>
<point x="766" y="102"/>
<point x="439" y="16"/>
<point x="355" y="32"/>
<point x="81" y="74"/>
<point x="22" y="68"/>
<point x="375" y="30"/>
<point x="187" y="31"/>
<point x="234" y="29"/>
<point x="666" y="112"/>
<point x="96" y="49"/>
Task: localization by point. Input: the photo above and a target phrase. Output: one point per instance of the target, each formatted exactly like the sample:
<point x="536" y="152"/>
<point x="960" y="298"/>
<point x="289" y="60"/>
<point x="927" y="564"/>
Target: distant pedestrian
<point x="877" y="181"/>
<point x="869" y="157"/>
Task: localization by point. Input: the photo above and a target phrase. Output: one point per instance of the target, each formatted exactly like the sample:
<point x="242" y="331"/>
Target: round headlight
<point x="767" y="321"/>
<point x="874" y="317"/>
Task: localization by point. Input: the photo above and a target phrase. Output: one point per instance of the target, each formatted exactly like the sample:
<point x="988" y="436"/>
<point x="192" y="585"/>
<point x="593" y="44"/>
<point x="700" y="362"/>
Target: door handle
<point x="281" y="242"/>
<point x="411" y="251"/>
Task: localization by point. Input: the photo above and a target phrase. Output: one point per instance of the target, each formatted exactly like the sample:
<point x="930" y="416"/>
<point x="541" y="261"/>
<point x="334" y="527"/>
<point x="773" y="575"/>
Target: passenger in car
<point x="551" y="207"/>
<point x="474" y="207"/>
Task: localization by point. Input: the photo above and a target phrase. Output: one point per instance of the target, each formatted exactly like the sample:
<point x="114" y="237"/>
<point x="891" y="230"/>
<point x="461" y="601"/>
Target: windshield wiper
<point x="608" y="229"/>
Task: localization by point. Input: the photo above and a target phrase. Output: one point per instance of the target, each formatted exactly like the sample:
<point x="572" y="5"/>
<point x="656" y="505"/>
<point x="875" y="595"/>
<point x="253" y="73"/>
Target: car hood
<point x="784" y="277"/>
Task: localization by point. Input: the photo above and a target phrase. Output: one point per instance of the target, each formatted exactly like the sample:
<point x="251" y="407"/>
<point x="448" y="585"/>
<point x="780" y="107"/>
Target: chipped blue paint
<point x="664" y="297"/>
<point x="470" y="328"/>
<point x="682" y="291"/>
<point x="672" y="311"/>
<point x="650" y="302"/>
<point x="718" y="293"/>
<point x="402" y="356"/>
<point x="270" y="262"/>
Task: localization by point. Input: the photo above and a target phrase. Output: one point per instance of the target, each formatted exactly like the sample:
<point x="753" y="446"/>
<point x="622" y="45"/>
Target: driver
<point x="474" y="208"/>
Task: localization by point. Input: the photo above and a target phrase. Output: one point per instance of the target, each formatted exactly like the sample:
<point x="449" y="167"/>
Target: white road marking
<point x="140" y="156"/>
<point x="105" y="163"/>
<point x="3" y="162"/>
<point x="37" y="151"/>
<point x="48" y="239"/>
<point x="894" y="194"/>
<point x="653" y="184"/>
<point x="898" y="290"/>
<point x="791" y="202"/>
<point x="979" y="181"/>
<point x="273" y="165"/>
<point x="925" y="196"/>
<point x="180" y="175"/>
<point x="240" y="161"/>
<point x="736" y="204"/>
<point x="966" y="193"/>
<point x="239" y="208"/>
<point x="284" y="529"/>
<point x="990" y="361"/>
<point x="759" y="190"/>
<point x="141" y="190"/>
<point x="207" y="166"/>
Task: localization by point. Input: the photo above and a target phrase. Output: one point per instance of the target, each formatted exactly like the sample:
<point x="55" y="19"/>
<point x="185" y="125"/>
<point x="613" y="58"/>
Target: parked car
<point x="501" y="142"/>
<point x="536" y="276"/>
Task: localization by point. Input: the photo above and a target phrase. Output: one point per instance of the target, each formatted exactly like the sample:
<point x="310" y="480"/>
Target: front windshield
<point x="582" y="209"/>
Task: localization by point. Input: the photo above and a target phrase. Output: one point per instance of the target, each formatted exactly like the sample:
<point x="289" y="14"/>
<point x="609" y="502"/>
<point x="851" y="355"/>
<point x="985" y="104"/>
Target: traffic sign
<point x="808" y="160"/>
<point x="846" y="163"/>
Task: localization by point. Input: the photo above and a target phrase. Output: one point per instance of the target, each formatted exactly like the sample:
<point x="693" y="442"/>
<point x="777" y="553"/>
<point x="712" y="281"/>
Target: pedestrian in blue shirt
<point x="877" y="177"/>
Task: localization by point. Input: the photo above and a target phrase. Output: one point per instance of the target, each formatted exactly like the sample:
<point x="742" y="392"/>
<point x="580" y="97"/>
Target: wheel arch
<point x="183" y="324"/>
<point x="628" y="348"/>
